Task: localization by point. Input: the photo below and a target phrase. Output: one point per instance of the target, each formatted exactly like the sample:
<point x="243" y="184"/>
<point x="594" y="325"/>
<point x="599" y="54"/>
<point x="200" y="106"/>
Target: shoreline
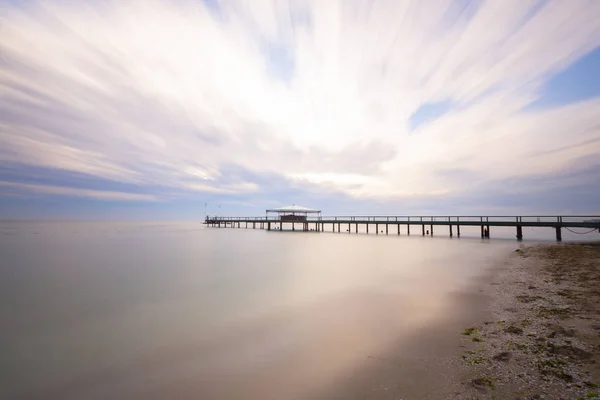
<point x="543" y="338"/>
<point x="526" y="329"/>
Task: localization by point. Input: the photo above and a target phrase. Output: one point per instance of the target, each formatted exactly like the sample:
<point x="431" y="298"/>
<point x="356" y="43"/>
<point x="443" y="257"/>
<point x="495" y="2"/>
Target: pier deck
<point x="427" y="223"/>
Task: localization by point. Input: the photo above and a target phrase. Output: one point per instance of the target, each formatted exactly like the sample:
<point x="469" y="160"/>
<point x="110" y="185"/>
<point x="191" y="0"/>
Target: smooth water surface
<point x="100" y="310"/>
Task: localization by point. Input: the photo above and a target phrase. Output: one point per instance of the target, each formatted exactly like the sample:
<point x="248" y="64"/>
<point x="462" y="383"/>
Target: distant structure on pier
<point x="293" y="213"/>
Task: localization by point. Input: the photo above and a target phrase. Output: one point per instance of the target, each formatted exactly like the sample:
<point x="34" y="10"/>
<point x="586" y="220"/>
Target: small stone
<point x="514" y="329"/>
<point x="480" y="384"/>
<point x="504" y="356"/>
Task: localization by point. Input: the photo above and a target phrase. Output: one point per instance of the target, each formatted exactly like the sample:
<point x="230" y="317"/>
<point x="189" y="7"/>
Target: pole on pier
<point x="519" y="232"/>
<point x="450" y="230"/>
<point x="558" y="234"/>
<point x="482" y="232"/>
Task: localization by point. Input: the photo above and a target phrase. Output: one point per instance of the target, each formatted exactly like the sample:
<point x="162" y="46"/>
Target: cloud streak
<point x="319" y="94"/>
<point x="67" y="191"/>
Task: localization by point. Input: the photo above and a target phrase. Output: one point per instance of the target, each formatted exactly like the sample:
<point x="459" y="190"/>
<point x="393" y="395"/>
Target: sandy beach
<point x="543" y="340"/>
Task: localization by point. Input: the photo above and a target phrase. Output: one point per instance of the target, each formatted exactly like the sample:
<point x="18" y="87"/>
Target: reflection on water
<point x="172" y="310"/>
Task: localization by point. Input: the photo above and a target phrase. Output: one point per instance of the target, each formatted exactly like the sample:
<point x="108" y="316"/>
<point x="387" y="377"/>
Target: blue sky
<point x="152" y="109"/>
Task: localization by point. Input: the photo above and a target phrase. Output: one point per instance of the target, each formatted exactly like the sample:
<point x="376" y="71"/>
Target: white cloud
<point x="67" y="191"/>
<point x="153" y="91"/>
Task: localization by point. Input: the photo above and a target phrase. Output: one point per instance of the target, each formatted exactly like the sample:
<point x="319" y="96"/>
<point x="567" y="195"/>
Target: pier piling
<point x="484" y="223"/>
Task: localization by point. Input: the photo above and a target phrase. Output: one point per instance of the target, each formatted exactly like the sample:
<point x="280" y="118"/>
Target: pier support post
<point x="458" y="230"/>
<point x="356" y="227"/>
<point x="367" y="228"/>
<point x="386" y="228"/>
<point x="487" y="232"/>
<point x="431" y="230"/>
<point x="294" y="226"/>
<point x="377" y="229"/>
<point x="423" y="226"/>
<point x="268" y="226"/>
<point x="349" y="228"/>
<point x="558" y="234"/>
<point x="519" y="232"/>
<point x="482" y="232"/>
<point x="398" y="229"/>
<point x="281" y="226"/>
<point x="450" y="230"/>
<point x="408" y="229"/>
<point x="338" y="227"/>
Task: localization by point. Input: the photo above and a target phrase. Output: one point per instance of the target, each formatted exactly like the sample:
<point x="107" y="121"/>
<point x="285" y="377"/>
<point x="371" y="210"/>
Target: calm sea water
<point x="97" y="310"/>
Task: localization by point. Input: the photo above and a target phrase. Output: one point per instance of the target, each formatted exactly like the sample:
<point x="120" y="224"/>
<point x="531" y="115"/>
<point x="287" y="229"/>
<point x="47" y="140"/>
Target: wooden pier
<point x="424" y="225"/>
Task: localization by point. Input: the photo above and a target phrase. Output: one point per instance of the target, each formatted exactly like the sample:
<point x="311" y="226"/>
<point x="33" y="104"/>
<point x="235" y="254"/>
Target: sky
<point x="148" y="109"/>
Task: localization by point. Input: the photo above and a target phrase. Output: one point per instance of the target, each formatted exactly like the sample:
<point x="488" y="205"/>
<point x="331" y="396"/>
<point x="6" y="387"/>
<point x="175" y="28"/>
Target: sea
<point x="176" y="310"/>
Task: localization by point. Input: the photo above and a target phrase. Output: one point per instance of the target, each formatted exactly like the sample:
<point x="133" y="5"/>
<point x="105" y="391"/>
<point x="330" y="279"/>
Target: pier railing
<point x="426" y="223"/>
<point x="442" y="219"/>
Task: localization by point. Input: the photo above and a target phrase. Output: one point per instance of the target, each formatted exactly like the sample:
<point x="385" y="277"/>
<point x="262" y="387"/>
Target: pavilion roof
<point x="294" y="209"/>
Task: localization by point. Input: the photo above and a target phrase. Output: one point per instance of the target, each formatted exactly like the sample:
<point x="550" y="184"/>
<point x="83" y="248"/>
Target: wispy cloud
<point x="67" y="191"/>
<point x="319" y="93"/>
